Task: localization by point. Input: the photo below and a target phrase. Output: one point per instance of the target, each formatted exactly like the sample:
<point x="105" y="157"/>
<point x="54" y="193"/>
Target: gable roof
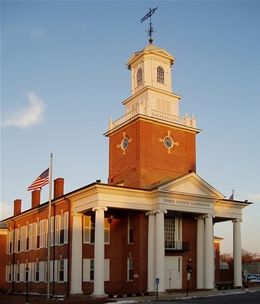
<point x="190" y="184"/>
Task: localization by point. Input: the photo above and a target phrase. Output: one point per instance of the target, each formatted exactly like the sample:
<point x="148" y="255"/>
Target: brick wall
<point x="146" y="160"/>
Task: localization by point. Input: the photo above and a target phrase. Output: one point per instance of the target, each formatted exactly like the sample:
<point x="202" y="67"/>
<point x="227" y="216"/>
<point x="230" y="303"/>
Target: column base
<point x="75" y="292"/>
<point x="98" y="295"/>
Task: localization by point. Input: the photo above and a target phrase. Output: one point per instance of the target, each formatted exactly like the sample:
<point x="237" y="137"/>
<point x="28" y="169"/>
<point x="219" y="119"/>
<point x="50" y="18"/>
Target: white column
<point x="200" y="253"/>
<point x="151" y="252"/>
<point x="237" y="253"/>
<point x="209" y="253"/>
<point x="76" y="258"/>
<point x="159" y="249"/>
<point x="99" y="253"/>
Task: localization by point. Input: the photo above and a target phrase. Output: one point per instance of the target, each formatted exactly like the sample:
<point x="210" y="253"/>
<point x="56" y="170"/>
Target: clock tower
<point x="151" y="143"/>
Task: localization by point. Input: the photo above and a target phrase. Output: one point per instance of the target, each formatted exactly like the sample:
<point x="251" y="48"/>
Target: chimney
<point x="58" y="187"/>
<point x="36" y="198"/>
<point x="17" y="206"/>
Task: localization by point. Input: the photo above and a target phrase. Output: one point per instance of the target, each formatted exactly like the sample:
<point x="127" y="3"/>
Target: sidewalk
<point x="15" y="298"/>
<point x="183" y="295"/>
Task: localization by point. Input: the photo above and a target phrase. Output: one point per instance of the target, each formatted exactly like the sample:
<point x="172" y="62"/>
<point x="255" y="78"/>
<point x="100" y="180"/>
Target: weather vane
<point x="151" y="29"/>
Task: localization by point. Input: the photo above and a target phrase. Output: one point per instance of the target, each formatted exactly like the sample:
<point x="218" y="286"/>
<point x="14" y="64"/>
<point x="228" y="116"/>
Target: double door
<point x="172" y="273"/>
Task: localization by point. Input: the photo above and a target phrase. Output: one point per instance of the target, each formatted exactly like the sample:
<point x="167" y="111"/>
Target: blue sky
<point x="63" y="75"/>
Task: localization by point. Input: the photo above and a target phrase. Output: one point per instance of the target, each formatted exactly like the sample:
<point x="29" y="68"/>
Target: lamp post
<point x="189" y="271"/>
<point x="27" y="273"/>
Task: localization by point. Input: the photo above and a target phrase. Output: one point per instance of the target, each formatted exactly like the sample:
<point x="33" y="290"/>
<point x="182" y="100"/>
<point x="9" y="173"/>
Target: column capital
<point x="94" y="209"/>
<point x="76" y="214"/>
<point x="150" y="213"/>
<point x="160" y="211"/>
<point x="237" y="220"/>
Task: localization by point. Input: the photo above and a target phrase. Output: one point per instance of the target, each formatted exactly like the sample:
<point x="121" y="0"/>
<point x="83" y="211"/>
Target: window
<point x="172" y="233"/>
<point x="88" y="270"/>
<point x="27" y="237"/>
<point x="169" y="232"/>
<point x="139" y="76"/>
<point x="61" y="271"/>
<point x="17" y="272"/>
<point x="130" y="269"/>
<point x="22" y="238"/>
<point x="92" y="270"/>
<point x="37" y="232"/>
<point x="10" y="241"/>
<point x="9" y="273"/>
<point x="89" y="230"/>
<point x="107" y="231"/>
<point x="160" y="75"/>
<point x="31" y="232"/>
<point x="130" y="230"/>
<point x="61" y="229"/>
<point x="37" y="272"/>
<point x="18" y="239"/>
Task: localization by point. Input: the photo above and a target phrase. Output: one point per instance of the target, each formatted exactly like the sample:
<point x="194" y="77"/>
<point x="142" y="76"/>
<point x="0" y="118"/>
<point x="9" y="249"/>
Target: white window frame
<point x="130" y="269"/>
<point x="89" y="230"/>
<point x="160" y="75"/>
<point x="61" y="224"/>
<point x="64" y="263"/>
<point x="130" y="229"/>
<point x="139" y="76"/>
<point x="173" y="233"/>
<point x="37" y="272"/>
<point x="87" y="269"/>
<point x="9" y="272"/>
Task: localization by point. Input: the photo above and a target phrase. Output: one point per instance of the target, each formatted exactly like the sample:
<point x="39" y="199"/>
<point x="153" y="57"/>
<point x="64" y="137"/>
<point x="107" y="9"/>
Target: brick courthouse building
<point x="153" y="218"/>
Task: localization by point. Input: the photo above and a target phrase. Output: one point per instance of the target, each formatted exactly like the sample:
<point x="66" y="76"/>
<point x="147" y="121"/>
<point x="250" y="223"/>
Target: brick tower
<point x="151" y="143"/>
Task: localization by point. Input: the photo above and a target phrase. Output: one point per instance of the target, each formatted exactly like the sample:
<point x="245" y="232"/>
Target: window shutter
<point x="41" y="271"/>
<point x="7" y="242"/>
<point x="31" y="272"/>
<point x="51" y="271"/>
<point x="22" y="276"/>
<point x="42" y="233"/>
<point x="30" y="236"/>
<point x="34" y="236"/>
<point x="7" y="271"/>
<point x="22" y="238"/>
<point x="52" y="231"/>
<point x="56" y="229"/>
<point x="15" y="272"/>
<point x="55" y="271"/>
<point x="66" y="228"/>
<point x="107" y="270"/>
<point x="86" y="225"/>
<point x="15" y="240"/>
<point x="12" y="267"/>
<point x="86" y="270"/>
<point x="66" y="270"/>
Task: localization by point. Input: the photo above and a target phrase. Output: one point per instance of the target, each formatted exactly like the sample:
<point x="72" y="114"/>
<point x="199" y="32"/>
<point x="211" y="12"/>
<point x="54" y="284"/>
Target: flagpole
<point x="49" y="230"/>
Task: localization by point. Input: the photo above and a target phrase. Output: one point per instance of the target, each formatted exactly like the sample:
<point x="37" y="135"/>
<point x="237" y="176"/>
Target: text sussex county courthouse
<point x="153" y="219"/>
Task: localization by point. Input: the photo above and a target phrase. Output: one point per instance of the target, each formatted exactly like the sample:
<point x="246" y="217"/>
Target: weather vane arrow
<point x="151" y="12"/>
<point x="149" y="15"/>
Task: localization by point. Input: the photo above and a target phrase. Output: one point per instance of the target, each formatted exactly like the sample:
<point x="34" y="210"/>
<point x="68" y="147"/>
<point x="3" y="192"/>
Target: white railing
<point x="167" y="116"/>
<point x="190" y="122"/>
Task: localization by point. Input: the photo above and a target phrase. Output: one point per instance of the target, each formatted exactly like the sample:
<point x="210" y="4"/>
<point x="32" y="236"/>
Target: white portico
<point x="186" y="195"/>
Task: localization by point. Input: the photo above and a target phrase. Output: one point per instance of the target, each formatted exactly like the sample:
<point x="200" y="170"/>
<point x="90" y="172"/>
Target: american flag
<point x="40" y="181"/>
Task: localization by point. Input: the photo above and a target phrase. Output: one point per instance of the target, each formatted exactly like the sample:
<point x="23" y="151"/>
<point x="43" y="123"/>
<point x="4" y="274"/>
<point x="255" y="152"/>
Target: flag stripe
<point x="40" y="181"/>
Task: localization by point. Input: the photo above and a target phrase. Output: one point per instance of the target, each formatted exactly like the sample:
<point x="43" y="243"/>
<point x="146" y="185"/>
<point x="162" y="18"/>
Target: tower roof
<point x="150" y="49"/>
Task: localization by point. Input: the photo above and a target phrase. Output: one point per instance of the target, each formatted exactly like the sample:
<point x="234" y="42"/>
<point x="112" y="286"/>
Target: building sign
<point x="186" y="203"/>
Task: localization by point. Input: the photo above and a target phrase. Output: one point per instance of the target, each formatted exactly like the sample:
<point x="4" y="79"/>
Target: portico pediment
<point x="192" y="185"/>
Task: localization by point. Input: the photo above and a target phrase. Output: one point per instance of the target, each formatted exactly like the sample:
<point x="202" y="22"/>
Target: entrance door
<point x="172" y="273"/>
